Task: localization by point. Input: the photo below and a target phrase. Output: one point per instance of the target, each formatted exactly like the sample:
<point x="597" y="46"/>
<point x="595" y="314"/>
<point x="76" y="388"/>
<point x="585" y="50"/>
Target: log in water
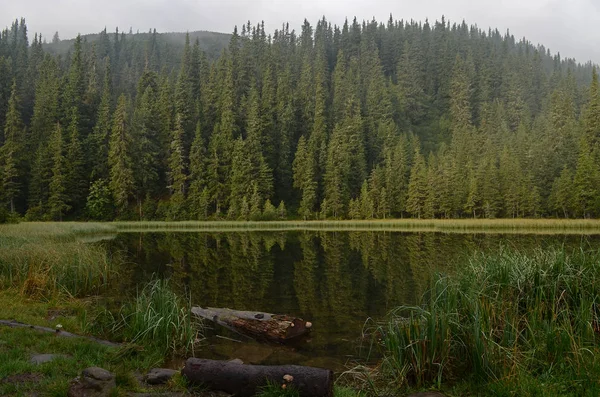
<point x="245" y="380"/>
<point x="262" y="326"/>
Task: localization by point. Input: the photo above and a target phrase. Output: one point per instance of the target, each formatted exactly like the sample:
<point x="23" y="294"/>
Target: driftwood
<point x="262" y="326"/>
<point x="58" y="332"/>
<point x="245" y="380"/>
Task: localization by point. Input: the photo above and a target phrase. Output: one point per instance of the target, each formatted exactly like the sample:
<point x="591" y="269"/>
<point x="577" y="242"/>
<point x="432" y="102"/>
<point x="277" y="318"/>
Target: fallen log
<point x="57" y="331"/>
<point x="262" y="326"/>
<point x="244" y="380"/>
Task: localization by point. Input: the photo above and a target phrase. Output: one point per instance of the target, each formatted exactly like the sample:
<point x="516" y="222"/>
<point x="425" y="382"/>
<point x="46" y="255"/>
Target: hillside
<point x="210" y="42"/>
<point x="365" y="120"/>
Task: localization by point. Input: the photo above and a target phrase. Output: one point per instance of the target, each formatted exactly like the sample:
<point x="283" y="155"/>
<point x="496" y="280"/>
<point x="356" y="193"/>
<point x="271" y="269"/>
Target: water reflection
<point x="335" y="279"/>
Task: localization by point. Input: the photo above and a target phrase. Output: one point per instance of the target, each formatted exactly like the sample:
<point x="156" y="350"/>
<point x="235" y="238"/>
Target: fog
<point x="569" y="27"/>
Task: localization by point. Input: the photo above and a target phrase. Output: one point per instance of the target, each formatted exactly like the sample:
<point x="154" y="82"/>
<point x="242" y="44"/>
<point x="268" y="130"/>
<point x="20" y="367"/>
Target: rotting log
<point x="246" y="380"/>
<point x="56" y="331"/>
<point x="262" y="326"/>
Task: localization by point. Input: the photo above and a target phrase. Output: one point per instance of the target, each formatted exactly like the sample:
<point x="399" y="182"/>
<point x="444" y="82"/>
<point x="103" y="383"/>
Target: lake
<point x="343" y="282"/>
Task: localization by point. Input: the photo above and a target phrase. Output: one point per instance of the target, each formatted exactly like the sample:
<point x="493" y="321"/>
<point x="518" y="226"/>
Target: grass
<point x="562" y="226"/>
<point x="49" y="265"/>
<point x="273" y="389"/>
<point x="157" y="319"/>
<point x="17" y="345"/>
<point x="506" y="323"/>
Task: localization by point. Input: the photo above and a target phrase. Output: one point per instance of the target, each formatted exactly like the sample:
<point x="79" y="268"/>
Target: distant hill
<point x="211" y="42"/>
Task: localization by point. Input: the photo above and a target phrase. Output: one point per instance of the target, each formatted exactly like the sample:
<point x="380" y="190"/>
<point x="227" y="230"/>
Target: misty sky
<point x="571" y="27"/>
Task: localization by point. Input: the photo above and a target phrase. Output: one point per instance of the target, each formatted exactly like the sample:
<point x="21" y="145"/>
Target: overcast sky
<point x="571" y="27"/>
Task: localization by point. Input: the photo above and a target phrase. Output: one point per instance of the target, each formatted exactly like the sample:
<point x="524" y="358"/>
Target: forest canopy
<point x="365" y="120"/>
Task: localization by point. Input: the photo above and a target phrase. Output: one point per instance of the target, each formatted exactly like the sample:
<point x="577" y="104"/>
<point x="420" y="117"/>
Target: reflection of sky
<point x="568" y="27"/>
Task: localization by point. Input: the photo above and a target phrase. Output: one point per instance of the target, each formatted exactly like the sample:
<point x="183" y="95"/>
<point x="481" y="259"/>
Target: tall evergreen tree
<point x="58" y="200"/>
<point x="11" y="152"/>
<point x="120" y="162"/>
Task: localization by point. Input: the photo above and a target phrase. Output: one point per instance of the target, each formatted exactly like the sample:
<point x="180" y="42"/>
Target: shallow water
<point x="343" y="282"/>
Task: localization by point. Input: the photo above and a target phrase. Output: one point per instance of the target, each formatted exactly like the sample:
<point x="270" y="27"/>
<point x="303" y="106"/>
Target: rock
<point x="236" y="361"/>
<point x="93" y="382"/>
<point x="159" y="376"/>
<point x="45" y="358"/>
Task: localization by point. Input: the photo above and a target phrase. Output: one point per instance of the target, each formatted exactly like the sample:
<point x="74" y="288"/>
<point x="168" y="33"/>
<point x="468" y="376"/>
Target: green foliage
<point x="99" y="204"/>
<point x="57" y="202"/>
<point x="307" y="119"/>
<point x="119" y="157"/>
<point x="44" y="263"/>
<point x="157" y="318"/>
<point x="502" y="314"/>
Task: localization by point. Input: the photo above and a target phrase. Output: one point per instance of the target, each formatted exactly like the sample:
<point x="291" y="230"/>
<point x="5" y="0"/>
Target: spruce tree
<point x="98" y="139"/>
<point x="417" y="186"/>
<point x="177" y="174"/>
<point x="11" y="152"/>
<point x="58" y="201"/>
<point x="75" y="176"/>
<point x="120" y="162"/>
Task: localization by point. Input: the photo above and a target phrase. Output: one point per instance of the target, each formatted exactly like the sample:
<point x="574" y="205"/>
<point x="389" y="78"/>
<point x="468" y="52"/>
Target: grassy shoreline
<point x="67" y="230"/>
<point x="590" y="226"/>
<point x="507" y="324"/>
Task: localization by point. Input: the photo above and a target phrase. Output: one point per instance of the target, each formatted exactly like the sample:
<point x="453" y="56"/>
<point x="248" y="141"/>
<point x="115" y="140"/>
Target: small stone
<point x="93" y="382"/>
<point x="44" y="358"/>
<point x="288" y="378"/>
<point x="236" y="361"/>
<point x="159" y="376"/>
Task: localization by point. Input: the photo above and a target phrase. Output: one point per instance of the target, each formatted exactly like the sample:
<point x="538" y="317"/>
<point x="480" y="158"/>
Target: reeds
<point x="44" y="266"/>
<point x="157" y="318"/>
<point x="500" y="315"/>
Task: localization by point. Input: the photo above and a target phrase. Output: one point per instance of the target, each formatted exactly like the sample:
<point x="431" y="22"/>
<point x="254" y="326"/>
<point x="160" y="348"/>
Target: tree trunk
<point x="245" y="380"/>
<point x="262" y="326"/>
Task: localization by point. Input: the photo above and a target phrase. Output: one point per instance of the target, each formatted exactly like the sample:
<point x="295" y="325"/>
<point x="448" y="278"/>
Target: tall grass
<point x="157" y="318"/>
<point x="44" y="266"/>
<point x="502" y="315"/>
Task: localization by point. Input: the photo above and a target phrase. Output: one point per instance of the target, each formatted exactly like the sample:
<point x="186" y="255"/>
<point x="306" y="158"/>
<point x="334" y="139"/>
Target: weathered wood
<point x="258" y="325"/>
<point x="58" y="332"/>
<point x="245" y="380"/>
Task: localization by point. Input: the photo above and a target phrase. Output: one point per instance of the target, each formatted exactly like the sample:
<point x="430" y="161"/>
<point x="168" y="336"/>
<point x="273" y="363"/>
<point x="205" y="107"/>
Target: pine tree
<point x="586" y="182"/>
<point x="561" y="197"/>
<point x="197" y="177"/>
<point x="58" y="201"/>
<point x="120" y="163"/>
<point x="177" y="175"/>
<point x="75" y="177"/>
<point x="98" y="139"/>
<point x="11" y="155"/>
<point x="417" y="186"/>
<point x="592" y="114"/>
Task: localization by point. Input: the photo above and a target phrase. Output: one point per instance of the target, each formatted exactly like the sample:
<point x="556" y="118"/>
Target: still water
<point x="343" y="282"/>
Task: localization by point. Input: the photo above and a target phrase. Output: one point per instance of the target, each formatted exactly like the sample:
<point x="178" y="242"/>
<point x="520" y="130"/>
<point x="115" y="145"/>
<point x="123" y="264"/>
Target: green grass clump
<point x="157" y="318"/>
<point x="502" y="316"/>
<point x="45" y="267"/>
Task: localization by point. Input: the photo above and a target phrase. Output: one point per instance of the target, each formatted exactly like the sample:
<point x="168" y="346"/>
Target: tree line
<point x="367" y="120"/>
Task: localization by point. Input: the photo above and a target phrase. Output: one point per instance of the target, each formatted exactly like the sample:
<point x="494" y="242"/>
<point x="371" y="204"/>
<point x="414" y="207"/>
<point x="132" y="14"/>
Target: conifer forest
<point x="369" y="120"/>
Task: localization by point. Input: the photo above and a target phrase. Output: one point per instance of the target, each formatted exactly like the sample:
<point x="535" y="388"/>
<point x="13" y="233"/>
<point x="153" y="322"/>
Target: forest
<point x="369" y="120"/>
